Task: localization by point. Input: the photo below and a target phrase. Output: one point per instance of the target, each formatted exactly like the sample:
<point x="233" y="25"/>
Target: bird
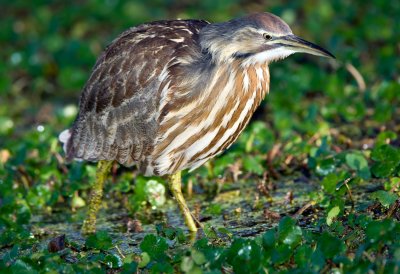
<point x="169" y="95"/>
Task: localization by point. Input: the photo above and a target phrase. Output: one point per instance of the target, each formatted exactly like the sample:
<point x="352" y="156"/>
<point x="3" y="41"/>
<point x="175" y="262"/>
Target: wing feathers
<point x="119" y="107"/>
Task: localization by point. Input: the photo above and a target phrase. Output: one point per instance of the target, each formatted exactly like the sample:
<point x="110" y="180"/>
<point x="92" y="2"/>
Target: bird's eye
<point x="267" y="36"/>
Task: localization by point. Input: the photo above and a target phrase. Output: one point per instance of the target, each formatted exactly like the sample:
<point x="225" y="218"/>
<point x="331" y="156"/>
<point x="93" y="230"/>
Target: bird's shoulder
<point x="150" y="38"/>
<point x="119" y="105"/>
<point x="163" y="29"/>
<point x="137" y="57"/>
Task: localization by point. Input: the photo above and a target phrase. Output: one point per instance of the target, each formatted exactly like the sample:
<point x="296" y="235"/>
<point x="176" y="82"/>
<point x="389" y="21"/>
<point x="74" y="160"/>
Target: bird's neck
<point x="209" y="83"/>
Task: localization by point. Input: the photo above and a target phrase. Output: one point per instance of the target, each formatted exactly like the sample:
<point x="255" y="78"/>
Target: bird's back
<point x="119" y="105"/>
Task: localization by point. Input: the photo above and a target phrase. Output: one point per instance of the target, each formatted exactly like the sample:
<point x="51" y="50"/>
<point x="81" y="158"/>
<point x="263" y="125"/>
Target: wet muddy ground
<point x="244" y="209"/>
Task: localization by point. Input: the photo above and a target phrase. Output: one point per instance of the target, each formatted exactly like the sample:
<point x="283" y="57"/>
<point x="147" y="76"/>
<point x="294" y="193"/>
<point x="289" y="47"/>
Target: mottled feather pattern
<point x="119" y="104"/>
<point x="158" y="99"/>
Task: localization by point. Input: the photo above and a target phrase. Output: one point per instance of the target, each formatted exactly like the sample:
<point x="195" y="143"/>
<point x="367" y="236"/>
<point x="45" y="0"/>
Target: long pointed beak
<point x="298" y="44"/>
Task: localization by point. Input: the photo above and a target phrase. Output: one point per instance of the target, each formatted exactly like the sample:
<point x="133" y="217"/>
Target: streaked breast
<point x="195" y="130"/>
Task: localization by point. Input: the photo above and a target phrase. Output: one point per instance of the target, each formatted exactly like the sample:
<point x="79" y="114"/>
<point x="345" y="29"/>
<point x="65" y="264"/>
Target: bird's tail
<point x="64" y="139"/>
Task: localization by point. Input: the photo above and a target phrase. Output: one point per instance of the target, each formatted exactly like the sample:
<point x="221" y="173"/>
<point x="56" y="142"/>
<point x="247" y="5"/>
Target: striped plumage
<point x="169" y="95"/>
<point x="156" y="100"/>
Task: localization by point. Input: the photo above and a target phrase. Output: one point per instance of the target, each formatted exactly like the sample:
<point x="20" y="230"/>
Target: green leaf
<point x="21" y="267"/>
<point x="317" y="260"/>
<point x="288" y="232"/>
<point x="397" y="254"/>
<point x="77" y="202"/>
<point x="100" y="240"/>
<point x="330" y="246"/>
<point x="325" y="166"/>
<point x="155" y="193"/>
<point x="198" y="257"/>
<point x="214" y="209"/>
<point x="357" y="162"/>
<point x="187" y="264"/>
<point x="253" y="164"/>
<point x="140" y="196"/>
<point x="383" y="169"/>
<point x="11" y="255"/>
<point x="329" y="182"/>
<point x="244" y="256"/>
<point x="281" y="254"/>
<point x="6" y="125"/>
<point x="302" y="256"/>
<point x="333" y="213"/>
<point x="129" y="268"/>
<point x="386" y="153"/>
<point x="225" y="231"/>
<point x="384" y="137"/>
<point x="113" y="261"/>
<point x="387" y="161"/>
<point x="382" y="232"/>
<point x="155" y="246"/>
<point x="394" y="182"/>
<point x="384" y="197"/>
<point x="222" y="162"/>
<point x="162" y="267"/>
<point x="215" y="256"/>
<point x="268" y="239"/>
<point x="144" y="259"/>
<point x="209" y="231"/>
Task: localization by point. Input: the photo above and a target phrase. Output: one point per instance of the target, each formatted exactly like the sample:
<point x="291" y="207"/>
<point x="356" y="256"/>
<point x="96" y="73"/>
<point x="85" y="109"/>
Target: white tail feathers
<point x="64" y="137"/>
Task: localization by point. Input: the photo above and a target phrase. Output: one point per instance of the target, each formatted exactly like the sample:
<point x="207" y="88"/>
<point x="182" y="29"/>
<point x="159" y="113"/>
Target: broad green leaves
<point x="357" y="162"/>
<point x="289" y="233"/>
<point x="244" y="256"/>
<point x="330" y="246"/>
<point x="384" y="197"/>
<point x="387" y="161"/>
<point x="277" y="248"/>
<point x="100" y="240"/>
<point x="333" y="213"/>
<point x="154" y="246"/>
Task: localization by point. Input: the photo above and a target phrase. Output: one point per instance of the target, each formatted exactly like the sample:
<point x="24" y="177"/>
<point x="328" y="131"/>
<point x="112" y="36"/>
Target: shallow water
<point x="245" y="212"/>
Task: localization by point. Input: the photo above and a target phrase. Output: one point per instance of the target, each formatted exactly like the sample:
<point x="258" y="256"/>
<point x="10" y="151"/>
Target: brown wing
<point x="119" y="106"/>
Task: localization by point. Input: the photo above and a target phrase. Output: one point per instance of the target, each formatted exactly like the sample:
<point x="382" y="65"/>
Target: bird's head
<point x="256" y="38"/>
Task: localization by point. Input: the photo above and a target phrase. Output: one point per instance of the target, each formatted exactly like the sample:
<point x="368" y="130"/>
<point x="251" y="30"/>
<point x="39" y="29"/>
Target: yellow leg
<point x="174" y="182"/>
<point x="89" y="225"/>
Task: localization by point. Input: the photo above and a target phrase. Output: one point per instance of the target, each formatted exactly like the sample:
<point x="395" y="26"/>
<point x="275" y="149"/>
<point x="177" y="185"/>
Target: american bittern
<point x="169" y="95"/>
